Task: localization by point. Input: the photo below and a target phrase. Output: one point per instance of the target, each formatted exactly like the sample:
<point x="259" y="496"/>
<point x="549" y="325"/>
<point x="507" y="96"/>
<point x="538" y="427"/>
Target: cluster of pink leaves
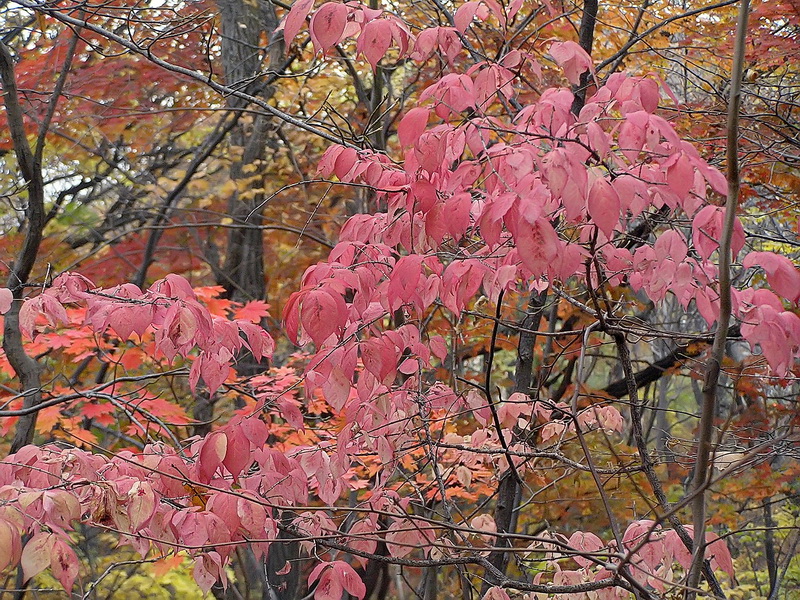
<point x="509" y="184"/>
<point x="183" y="325"/>
<point x="230" y="488"/>
<point x="648" y="552"/>
<point x="376" y="31"/>
<point x="218" y="492"/>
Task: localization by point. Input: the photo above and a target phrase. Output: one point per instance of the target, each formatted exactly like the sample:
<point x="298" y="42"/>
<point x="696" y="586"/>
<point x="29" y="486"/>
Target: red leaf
<point x="320" y="315"/>
<point x="253" y="311"/>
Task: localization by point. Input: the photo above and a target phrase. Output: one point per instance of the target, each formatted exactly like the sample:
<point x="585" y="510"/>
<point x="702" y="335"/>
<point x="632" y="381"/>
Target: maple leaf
<point x="252" y="311"/>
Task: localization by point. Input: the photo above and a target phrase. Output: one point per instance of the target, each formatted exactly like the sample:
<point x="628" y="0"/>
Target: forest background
<point x="399" y="300"/>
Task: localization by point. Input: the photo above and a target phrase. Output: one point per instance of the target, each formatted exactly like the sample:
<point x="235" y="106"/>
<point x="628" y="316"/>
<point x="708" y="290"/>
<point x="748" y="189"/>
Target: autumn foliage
<point x="439" y="394"/>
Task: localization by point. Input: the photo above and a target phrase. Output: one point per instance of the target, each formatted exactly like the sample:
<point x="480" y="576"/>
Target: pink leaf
<point x="537" y="246"/>
<point x="6" y="297"/>
<point x="320" y="315"/>
<point x="213" y="368"/>
<point x="44" y="304"/>
<point x="327" y="25"/>
<point x="295" y="20"/>
<point x="212" y="453"/>
<point x="572" y="59"/>
<point x="412" y="125"/>
<point x="707" y="231"/>
<point x="677" y="549"/>
<point x="174" y="286"/>
<point x="782" y="275"/>
<point x="237" y="454"/>
<point x="334" y="578"/>
<point x="364" y="537"/>
<point x="259" y="341"/>
<point x="204" y="579"/>
<point x="64" y="564"/>
<point x="10" y="544"/>
<point x="291" y="316"/>
<point x="464" y="15"/>
<point x="604" y="206"/>
<point x="496" y="593"/>
<point x="287" y="568"/>
<point x="37" y="554"/>
<point x="142" y="505"/>
<point x="587" y="543"/>
<point x="404" y="536"/>
<point x="336" y="388"/>
<point x="375" y="40"/>
<point x="719" y="554"/>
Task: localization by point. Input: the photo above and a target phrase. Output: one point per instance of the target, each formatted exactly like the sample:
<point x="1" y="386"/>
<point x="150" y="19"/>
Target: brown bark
<point x="29" y="164"/>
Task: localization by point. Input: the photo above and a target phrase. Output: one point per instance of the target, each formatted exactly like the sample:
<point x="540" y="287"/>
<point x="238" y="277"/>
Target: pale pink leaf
<point x="572" y="59"/>
<point x="604" y="206"/>
<point x="141" y="504"/>
<point x="496" y="593"/>
<point x="37" y="554"/>
<point x="464" y="15"/>
<point x="204" y="579"/>
<point x="782" y="275"/>
<point x="6" y="298"/>
<point x="587" y="543"/>
<point x="10" y="544"/>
